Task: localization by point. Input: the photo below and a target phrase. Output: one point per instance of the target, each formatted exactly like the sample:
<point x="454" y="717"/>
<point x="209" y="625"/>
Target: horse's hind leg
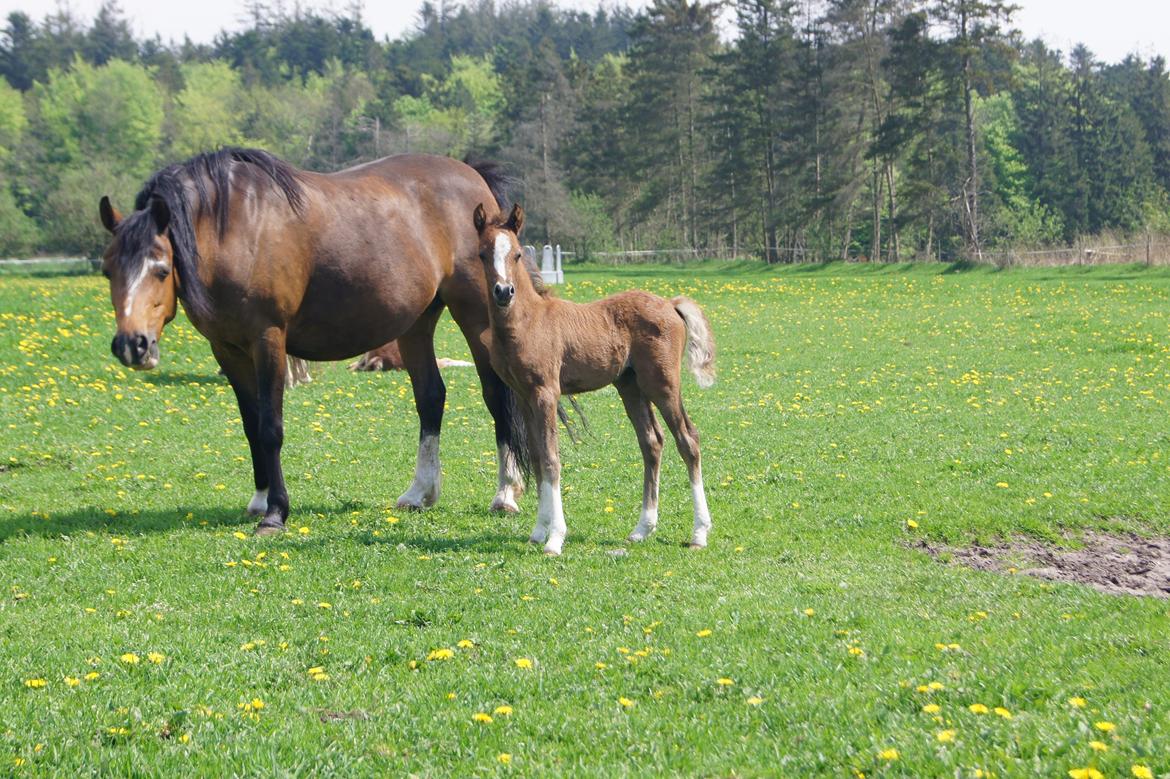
<point x="650" y="441"/>
<point x="686" y="438"/>
<point x="418" y="355"/>
<point x="271" y="365"/>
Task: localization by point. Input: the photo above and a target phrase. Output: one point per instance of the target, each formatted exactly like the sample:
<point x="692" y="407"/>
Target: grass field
<point x="143" y="631"/>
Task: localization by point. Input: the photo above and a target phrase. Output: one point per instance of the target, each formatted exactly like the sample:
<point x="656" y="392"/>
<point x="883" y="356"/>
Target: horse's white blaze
<point x="147" y="266"/>
<point x="500" y="258"/>
<point x="428" y="475"/>
<point x="702" y="515"/>
<point x="551" y="516"/>
<point x="508" y="480"/>
<point x="259" y="502"/>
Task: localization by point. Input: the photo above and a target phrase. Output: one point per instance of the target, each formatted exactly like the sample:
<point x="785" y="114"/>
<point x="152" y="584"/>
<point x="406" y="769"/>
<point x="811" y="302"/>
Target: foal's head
<point x="499" y="248"/>
<point x="139" y="262"/>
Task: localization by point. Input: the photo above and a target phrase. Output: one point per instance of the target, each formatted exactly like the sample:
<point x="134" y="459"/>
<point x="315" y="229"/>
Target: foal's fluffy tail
<point x="700" y="351"/>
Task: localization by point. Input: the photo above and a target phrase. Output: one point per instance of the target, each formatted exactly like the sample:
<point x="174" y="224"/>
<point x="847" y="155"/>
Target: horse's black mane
<point x="208" y="177"/>
<point x="501" y="182"/>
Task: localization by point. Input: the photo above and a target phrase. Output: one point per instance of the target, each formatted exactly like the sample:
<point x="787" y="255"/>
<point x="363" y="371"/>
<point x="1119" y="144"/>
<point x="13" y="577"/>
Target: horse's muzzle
<point x="136" y="350"/>
<point x="503" y="293"/>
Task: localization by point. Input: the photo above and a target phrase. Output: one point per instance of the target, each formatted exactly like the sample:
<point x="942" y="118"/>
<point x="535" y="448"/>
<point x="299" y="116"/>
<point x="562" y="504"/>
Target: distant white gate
<point x="551" y="269"/>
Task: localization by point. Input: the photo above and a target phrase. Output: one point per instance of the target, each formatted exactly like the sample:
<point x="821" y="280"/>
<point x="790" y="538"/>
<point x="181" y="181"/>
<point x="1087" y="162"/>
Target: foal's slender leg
<point x="533" y="431"/>
<point x="549" y="511"/>
<point x="686" y="438"/>
<point x="241" y="374"/>
<point x="650" y="441"/>
<point x="468" y="303"/>
<point x="271" y="365"/>
<point x="418" y="355"/>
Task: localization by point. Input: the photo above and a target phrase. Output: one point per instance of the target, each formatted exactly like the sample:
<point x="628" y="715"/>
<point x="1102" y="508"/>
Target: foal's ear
<point x="160" y="213"/>
<point x="109" y="214"/>
<point x="515" y="221"/>
<point x="480" y="218"/>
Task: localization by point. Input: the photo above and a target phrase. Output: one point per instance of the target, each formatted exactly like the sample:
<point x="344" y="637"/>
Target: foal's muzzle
<point x="136" y="350"/>
<point x="503" y="294"/>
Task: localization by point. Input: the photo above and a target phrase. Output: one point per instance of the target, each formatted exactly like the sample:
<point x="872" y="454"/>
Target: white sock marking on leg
<point x="259" y="503"/>
<point x="702" y="515"/>
<point x="552" y="515"/>
<point x="428" y="475"/>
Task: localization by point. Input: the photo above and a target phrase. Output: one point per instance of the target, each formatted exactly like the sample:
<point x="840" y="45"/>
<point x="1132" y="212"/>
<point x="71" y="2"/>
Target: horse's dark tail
<point x="499" y="181"/>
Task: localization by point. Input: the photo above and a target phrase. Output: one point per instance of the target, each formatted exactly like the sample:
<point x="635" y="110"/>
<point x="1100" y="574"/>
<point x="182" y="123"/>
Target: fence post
<point x="1149" y="248"/>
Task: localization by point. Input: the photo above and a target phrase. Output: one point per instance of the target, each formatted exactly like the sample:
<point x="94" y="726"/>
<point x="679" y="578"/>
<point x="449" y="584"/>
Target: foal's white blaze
<point x="259" y="502"/>
<point x="147" y="266"/>
<point x="500" y="258"/>
<point x="550" y="516"/>
<point x="702" y="515"/>
<point x="508" y="481"/>
<point x="428" y="476"/>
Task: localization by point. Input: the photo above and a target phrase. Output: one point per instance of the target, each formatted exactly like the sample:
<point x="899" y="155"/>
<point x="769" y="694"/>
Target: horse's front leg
<point x="430" y="394"/>
<point x="271" y="367"/>
<point x="241" y="374"/>
<point x="550" y="513"/>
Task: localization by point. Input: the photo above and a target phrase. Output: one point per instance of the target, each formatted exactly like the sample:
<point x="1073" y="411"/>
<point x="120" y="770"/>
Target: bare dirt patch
<point x="1122" y="565"/>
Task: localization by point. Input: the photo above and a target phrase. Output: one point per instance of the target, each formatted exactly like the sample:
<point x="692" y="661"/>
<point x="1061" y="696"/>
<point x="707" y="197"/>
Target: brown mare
<point x="543" y="347"/>
<point x="272" y="261"/>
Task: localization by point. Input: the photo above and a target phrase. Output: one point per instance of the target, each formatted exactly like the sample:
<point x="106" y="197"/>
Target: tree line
<point x="821" y="129"/>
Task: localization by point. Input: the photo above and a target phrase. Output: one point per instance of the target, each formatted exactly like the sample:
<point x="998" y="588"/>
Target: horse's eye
<point x="162" y="273"/>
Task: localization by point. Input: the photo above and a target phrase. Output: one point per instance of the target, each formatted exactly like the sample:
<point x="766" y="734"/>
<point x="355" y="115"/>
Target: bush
<point x="19" y="235"/>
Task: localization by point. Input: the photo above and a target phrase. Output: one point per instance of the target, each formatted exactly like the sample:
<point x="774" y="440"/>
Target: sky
<point x="1111" y="29"/>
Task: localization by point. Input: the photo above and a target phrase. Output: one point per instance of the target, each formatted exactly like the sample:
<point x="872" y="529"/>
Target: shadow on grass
<point x="95" y="520"/>
<point x="182" y="379"/>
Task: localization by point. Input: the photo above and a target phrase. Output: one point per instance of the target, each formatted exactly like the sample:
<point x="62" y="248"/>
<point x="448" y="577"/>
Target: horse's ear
<point x="515" y="221"/>
<point x="480" y="218"/>
<point x="160" y="213"/>
<point x="109" y="214"/>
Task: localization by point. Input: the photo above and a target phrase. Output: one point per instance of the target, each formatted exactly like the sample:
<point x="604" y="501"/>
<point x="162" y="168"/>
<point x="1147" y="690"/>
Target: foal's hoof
<point x="636" y="537"/>
<point x="696" y="545"/>
<point x="551" y="552"/>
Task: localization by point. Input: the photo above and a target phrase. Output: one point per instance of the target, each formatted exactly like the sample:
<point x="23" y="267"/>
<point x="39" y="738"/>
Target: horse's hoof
<point x="694" y="545"/>
<point x="635" y="538"/>
<point x="263" y="531"/>
<point x="550" y="552"/>
<point x="501" y="506"/>
<point x="409" y="505"/>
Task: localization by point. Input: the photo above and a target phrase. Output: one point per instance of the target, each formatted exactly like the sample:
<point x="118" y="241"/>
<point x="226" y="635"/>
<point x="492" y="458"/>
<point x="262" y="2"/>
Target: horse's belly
<point x="339" y="323"/>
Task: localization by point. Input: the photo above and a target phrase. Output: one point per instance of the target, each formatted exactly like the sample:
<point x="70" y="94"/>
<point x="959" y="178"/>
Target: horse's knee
<point x="271" y="434"/>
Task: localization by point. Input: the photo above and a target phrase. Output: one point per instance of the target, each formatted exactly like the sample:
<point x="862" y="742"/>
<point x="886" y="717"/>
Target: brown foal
<point x="543" y="347"/>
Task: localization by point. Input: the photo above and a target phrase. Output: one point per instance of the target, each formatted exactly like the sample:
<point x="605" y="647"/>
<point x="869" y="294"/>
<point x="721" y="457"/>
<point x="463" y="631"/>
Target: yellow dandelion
<point x="184" y="738"/>
<point x="129" y="658"/>
<point x="304" y="531"/>
<point x="704" y="633"/>
<point x="482" y="717"/>
<point x="1105" y="727"/>
<point x="1098" y="746"/>
<point x="755" y="700"/>
<point x="89" y="677"/>
<point x="723" y="681"/>
<point x="931" y="708"/>
<point x="1086" y="773"/>
<point x="1077" y="702"/>
<point x="523" y="662"/>
<point x="888" y="754"/>
<point x="72" y="681"/>
<point x="504" y="758"/>
<point x="945" y="736"/>
<point x="625" y="702"/>
<point x="600" y="666"/>
<point x="156" y="657"/>
<point x="503" y="711"/>
<point x="1001" y="711"/>
<point x="466" y="644"/>
<point x="440" y="654"/>
<point x="240" y="535"/>
<point x="35" y="684"/>
<point x="911" y="524"/>
<point x="324" y="605"/>
<point x="978" y="708"/>
<point x="1141" y="772"/>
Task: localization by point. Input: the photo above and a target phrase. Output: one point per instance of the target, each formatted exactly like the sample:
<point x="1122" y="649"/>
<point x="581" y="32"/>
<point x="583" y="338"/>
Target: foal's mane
<point x="202" y="186"/>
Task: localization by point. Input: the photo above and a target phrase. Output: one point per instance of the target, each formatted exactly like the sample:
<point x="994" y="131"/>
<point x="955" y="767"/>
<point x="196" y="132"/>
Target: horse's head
<point x="139" y="262"/>
<point x="499" y="248"/>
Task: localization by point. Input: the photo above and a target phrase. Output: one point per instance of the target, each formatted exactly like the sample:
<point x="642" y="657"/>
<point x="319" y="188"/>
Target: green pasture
<point x="143" y="631"/>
